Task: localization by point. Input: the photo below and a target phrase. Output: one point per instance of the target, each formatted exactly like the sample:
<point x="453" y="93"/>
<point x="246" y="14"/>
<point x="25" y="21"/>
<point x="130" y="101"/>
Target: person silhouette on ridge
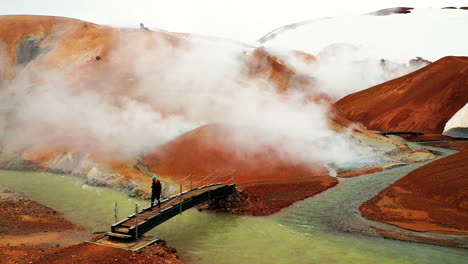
<point x="155" y="191"/>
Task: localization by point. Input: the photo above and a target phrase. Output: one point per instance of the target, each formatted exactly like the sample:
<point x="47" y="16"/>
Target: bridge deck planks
<point x="152" y="217"/>
<point x="155" y="210"/>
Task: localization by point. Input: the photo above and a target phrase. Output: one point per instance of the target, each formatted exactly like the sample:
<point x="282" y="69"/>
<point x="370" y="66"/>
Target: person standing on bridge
<point x="156" y="191"/>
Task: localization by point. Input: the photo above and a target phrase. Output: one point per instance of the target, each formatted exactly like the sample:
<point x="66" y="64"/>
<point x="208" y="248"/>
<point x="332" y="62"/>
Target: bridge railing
<point x="212" y="179"/>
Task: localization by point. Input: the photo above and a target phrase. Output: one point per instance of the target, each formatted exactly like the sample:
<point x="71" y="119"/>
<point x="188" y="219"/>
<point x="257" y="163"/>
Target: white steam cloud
<point x="206" y="84"/>
<point x="342" y="69"/>
<point x="53" y="116"/>
<point x="178" y="89"/>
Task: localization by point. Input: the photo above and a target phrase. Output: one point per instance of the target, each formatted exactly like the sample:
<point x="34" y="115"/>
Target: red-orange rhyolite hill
<point x="92" y="57"/>
<point x="422" y="101"/>
<point x="271" y="181"/>
<point x="433" y="198"/>
<point x="211" y="147"/>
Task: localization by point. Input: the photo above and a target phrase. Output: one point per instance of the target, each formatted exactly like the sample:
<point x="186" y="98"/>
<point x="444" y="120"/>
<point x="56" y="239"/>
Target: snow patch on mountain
<point x="457" y="126"/>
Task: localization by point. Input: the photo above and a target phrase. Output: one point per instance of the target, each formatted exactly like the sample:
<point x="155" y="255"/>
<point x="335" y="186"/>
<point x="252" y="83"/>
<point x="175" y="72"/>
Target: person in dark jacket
<point x="156" y="191"/>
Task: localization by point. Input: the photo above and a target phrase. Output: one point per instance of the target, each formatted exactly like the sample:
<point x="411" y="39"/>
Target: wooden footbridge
<point x="137" y="224"/>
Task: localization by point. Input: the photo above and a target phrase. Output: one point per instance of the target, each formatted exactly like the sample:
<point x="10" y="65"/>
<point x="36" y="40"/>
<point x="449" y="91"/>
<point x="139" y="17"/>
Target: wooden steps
<point x="119" y="236"/>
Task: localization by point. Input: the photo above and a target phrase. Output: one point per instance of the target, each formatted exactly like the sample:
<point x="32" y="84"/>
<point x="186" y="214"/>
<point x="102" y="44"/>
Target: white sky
<point x="244" y="20"/>
<point x="426" y="32"/>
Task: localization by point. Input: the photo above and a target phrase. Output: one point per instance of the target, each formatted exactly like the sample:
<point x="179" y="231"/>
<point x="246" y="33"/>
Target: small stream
<point x="302" y="233"/>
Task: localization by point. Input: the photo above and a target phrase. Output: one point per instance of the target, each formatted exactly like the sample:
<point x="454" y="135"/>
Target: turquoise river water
<point x="298" y="234"/>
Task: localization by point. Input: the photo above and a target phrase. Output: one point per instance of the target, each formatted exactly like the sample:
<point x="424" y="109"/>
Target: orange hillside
<point x="422" y="101"/>
<point x="431" y="198"/>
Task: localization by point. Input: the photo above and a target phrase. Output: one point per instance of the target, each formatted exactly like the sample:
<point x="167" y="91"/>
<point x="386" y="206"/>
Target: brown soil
<point x="85" y="253"/>
<point x="25" y="216"/>
<point x="90" y="253"/>
<point x="25" y="224"/>
<point x="457" y="145"/>
<point x="32" y="233"/>
<point x="426" y="137"/>
<point x="269" y="198"/>
<point x="359" y="172"/>
<point x="422" y="101"/>
<point x="432" y="198"/>
<point x="23" y="255"/>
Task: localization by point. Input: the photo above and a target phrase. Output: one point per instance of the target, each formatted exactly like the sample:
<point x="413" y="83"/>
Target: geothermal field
<point x="328" y="140"/>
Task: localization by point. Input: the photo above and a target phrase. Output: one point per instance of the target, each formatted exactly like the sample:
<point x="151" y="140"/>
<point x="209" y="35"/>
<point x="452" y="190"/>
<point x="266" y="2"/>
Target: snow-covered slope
<point x="357" y="52"/>
<point x="428" y="33"/>
<point x="457" y="126"/>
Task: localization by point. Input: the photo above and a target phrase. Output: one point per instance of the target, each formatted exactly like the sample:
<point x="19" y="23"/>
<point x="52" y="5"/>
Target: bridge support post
<point x="116" y="212"/>
<point x="180" y="195"/>
<point x="136" y="221"/>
